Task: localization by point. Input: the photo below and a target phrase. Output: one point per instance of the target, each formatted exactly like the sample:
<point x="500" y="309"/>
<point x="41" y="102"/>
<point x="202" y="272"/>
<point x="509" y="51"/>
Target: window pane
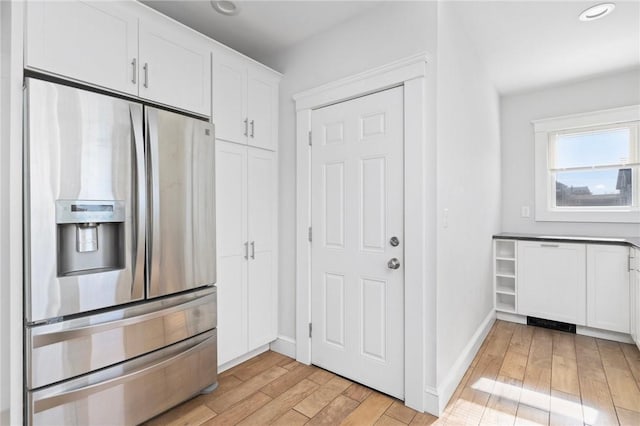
<point x="610" y="146"/>
<point x="594" y="188"/>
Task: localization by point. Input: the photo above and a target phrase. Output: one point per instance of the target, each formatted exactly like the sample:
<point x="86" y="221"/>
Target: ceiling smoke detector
<point x="596" y="12"/>
<point x="226" y="7"/>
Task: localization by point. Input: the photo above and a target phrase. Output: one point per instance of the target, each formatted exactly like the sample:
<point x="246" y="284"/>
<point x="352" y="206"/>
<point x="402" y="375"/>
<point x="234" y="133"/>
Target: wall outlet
<point x="525" y="211"/>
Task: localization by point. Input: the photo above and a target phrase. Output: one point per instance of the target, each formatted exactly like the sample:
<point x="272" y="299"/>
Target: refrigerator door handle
<point x="154" y="195"/>
<point x="139" y="202"/>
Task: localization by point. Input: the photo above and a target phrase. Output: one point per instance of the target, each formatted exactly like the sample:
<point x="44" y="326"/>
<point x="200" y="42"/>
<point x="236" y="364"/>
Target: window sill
<point x="616" y="216"/>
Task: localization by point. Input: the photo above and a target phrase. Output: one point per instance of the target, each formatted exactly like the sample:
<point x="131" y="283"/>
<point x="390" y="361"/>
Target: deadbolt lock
<point x="394" y="241"/>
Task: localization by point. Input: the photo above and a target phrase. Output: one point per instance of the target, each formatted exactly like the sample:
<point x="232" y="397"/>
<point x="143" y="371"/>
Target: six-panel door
<point x="357" y="275"/>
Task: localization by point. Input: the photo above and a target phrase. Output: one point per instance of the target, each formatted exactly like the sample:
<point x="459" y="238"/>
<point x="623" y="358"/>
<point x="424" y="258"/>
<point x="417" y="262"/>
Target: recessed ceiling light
<point x="226" y="7"/>
<point x="596" y="12"/>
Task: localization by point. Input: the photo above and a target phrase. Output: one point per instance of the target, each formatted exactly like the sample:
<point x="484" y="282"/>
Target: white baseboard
<point x="437" y="400"/>
<point x="506" y="316"/>
<point x="604" y="334"/>
<point x="285" y="346"/>
<point x="585" y="331"/>
<point x="242" y="358"/>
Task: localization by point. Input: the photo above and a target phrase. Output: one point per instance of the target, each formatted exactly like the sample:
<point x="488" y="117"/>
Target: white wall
<point x="11" y="387"/>
<point x="468" y="174"/>
<point x="378" y="37"/>
<point x="517" y="111"/>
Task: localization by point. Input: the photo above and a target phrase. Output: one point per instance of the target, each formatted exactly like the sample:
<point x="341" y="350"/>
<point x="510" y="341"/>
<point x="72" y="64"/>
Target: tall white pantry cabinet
<point x="245" y="99"/>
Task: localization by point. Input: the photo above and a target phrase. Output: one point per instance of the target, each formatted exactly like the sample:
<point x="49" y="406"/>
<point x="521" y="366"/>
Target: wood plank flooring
<point x="521" y="376"/>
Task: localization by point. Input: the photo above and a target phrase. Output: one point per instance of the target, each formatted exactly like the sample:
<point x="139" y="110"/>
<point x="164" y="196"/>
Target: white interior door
<point x="357" y="305"/>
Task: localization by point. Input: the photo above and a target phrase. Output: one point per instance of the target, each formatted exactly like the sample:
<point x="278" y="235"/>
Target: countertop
<point x="631" y="241"/>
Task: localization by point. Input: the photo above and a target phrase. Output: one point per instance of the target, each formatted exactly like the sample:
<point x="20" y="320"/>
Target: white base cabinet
<point x="246" y="203"/>
<point x="552" y="281"/>
<point x="608" y="277"/>
<point x="634" y="270"/>
<point x="594" y="286"/>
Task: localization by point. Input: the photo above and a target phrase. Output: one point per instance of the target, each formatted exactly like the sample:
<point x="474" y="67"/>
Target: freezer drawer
<point x="67" y="349"/>
<point x="132" y="392"/>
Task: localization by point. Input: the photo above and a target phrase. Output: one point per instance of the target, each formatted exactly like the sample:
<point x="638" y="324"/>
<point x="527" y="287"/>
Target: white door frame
<point x="419" y="182"/>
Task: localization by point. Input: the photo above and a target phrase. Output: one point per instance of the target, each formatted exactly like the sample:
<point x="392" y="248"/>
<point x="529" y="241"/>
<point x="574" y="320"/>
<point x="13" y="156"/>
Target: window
<point x="588" y="167"/>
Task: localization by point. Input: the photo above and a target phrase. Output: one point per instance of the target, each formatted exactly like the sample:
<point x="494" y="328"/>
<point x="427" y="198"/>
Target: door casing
<point x="419" y="214"/>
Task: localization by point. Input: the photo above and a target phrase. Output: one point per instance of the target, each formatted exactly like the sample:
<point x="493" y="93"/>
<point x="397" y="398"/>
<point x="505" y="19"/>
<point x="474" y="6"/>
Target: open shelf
<point x="505" y="284"/>
<point x="505" y="249"/>
<point x="506" y="302"/>
<point x="505" y="269"/>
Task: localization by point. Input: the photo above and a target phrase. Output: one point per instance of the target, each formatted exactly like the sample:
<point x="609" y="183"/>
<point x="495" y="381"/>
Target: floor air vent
<point x="553" y="325"/>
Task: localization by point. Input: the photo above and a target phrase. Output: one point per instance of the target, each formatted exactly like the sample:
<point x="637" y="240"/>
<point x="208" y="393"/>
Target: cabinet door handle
<point x="146" y="74"/>
<point x="135" y="70"/>
<point x="253" y="128"/>
<point x="246" y="126"/>
<point x="550" y="245"/>
<point x="253" y="249"/>
<point x="246" y="250"/>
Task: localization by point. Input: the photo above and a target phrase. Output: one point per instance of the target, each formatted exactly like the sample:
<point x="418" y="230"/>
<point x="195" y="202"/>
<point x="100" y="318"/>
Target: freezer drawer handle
<point x="65" y="397"/>
<point x="61" y="336"/>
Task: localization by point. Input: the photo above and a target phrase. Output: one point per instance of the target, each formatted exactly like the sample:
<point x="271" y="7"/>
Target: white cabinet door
<point x="608" y="300"/>
<point x="175" y="67"/>
<point x="262" y="110"/>
<point x="635" y="296"/>
<point x="232" y="253"/>
<point x="229" y="96"/>
<point x="551" y="281"/>
<point x="262" y="224"/>
<point x="93" y="42"/>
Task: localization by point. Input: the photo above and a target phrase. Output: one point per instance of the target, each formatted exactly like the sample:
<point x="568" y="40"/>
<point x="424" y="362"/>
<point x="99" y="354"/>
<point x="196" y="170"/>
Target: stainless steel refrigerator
<point x="120" y="263"/>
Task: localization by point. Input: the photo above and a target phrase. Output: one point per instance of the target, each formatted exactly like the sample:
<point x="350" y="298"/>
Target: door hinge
<point x="310" y="329"/>
<point x="310" y="234"/>
<point x="309" y="137"/>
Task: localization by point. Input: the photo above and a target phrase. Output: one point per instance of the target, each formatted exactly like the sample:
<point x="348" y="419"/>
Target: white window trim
<point x="543" y="129"/>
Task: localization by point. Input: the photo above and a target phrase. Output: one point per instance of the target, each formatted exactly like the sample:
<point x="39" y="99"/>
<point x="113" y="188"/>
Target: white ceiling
<point x="262" y="28"/>
<point x="524" y="44"/>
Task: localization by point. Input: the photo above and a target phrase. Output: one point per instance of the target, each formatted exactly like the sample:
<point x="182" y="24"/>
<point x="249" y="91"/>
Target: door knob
<point x="394" y="241"/>
<point x="393" y="263"/>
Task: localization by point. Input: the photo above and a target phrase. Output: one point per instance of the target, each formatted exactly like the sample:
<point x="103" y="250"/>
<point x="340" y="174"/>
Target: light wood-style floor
<point x="521" y="375"/>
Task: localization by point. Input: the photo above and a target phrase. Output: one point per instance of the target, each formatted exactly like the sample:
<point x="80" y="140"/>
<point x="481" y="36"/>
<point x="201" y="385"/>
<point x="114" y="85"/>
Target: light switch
<point x="525" y="211"/>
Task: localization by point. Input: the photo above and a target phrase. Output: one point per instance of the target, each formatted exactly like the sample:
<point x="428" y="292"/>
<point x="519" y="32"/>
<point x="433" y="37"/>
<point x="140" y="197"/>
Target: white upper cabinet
<point x="608" y="287"/>
<point x="93" y="42"/>
<point x="262" y="113"/>
<point x="245" y="101"/>
<point x="121" y="46"/>
<point x="229" y="85"/>
<point x="174" y="67"/>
